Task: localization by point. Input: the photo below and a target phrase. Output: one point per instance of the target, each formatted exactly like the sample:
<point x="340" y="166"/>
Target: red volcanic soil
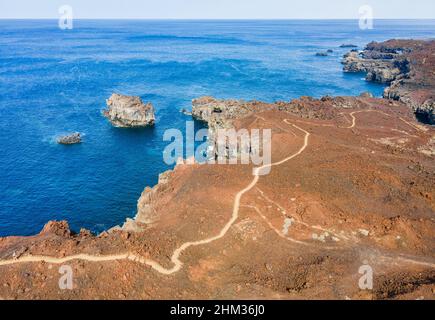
<point x="355" y="187"/>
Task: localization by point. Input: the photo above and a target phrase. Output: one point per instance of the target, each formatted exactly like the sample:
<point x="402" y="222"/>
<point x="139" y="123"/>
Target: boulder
<point x="70" y="139"/>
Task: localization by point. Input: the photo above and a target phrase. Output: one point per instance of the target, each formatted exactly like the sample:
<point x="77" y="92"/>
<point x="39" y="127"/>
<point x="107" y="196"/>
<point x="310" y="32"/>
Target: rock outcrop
<point x="220" y="114"/>
<point x="60" y="228"/>
<point x="408" y="66"/>
<point x="377" y="69"/>
<point x="70" y="139"/>
<point x="129" y="111"/>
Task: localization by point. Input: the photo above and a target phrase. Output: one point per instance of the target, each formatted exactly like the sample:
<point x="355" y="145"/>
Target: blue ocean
<point x="55" y="81"/>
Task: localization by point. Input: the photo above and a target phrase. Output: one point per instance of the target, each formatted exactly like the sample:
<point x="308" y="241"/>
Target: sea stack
<point x="129" y="111"/>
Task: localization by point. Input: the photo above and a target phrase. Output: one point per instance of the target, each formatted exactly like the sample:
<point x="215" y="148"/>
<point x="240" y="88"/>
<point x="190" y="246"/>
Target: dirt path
<point x="356" y="112"/>
<point x="175" y="259"/>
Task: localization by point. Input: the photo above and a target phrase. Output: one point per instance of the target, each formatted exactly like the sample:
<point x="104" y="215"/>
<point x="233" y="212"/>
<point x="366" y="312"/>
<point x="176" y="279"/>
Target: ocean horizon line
<point x="222" y="19"/>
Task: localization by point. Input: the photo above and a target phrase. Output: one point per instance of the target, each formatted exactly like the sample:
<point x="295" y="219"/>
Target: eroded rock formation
<point x="408" y="66"/>
<point x="129" y="111"/>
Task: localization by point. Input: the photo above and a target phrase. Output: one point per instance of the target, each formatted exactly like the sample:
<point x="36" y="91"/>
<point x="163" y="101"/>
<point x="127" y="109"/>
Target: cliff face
<point x="126" y="111"/>
<point x="408" y="66"/>
<point x="145" y="211"/>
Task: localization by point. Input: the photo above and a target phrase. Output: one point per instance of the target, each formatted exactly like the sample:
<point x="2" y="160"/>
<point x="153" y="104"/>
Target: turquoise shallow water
<point x="54" y="81"/>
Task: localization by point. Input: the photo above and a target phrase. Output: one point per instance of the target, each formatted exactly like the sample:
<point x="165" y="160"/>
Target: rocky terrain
<point x="73" y="138"/>
<point x="352" y="185"/>
<point x="126" y="111"/>
<point x="351" y="188"/>
<point x="408" y="66"/>
<point x="220" y="114"/>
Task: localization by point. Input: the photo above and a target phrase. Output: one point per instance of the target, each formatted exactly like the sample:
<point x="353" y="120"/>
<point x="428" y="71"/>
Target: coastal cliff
<point x="408" y="66"/>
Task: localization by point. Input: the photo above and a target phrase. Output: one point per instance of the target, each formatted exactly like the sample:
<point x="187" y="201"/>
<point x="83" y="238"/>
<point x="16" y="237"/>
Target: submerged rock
<point x="129" y="111"/>
<point x="321" y="54"/>
<point x="348" y="45"/>
<point x="70" y="139"/>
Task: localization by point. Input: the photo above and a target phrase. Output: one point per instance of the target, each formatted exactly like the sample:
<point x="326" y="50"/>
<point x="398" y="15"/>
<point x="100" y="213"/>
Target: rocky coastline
<point x="407" y="66"/>
<point x="362" y="191"/>
<point x="220" y="114"/>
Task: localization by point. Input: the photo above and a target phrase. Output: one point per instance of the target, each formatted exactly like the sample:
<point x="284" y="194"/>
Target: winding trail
<point x="356" y="112"/>
<point x="175" y="258"/>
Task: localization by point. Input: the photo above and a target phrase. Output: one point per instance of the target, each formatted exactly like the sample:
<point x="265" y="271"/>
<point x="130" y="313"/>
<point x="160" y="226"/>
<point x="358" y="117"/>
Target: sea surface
<point x="55" y="81"/>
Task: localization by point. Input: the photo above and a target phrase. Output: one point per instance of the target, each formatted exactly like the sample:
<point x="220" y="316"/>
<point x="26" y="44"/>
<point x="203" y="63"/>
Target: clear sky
<point x="219" y="9"/>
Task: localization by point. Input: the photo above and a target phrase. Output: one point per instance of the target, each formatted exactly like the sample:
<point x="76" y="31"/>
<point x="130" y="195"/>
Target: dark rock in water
<point x="348" y="45"/>
<point x="70" y="139"/>
<point x="321" y="54"/>
<point x="366" y="94"/>
<point x="329" y="51"/>
<point x="185" y="112"/>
